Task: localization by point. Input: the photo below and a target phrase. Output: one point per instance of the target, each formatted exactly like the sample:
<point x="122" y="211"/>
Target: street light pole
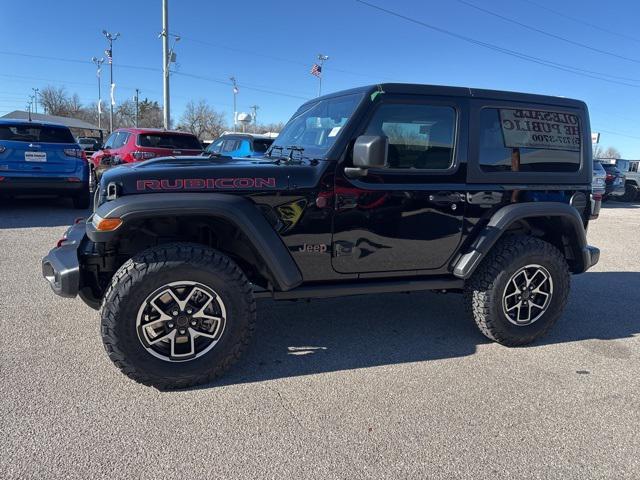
<point x="35" y="98"/>
<point x="255" y="117"/>
<point x="235" y="94"/>
<point x="136" y="99"/>
<point x="110" y="38"/>
<point x="98" y="62"/>
<point x="321" y="59"/>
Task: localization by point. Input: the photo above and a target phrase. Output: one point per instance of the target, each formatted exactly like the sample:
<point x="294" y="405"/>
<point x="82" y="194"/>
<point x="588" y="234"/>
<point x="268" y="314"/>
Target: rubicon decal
<point x="206" y="183"/>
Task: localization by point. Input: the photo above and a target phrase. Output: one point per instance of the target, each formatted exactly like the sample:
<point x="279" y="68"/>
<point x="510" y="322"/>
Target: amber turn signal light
<point x="106" y="224"/>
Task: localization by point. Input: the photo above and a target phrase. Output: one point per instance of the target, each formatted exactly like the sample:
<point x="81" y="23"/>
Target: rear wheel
<point x="177" y="315"/>
<point x="630" y="193"/>
<point x="519" y="291"/>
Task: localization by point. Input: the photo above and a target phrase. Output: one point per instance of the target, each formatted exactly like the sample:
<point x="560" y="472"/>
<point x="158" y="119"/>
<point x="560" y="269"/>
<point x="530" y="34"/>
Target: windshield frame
<point x="277" y="150"/>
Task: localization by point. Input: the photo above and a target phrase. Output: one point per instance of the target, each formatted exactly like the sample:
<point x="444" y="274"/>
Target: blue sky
<point x="270" y="47"/>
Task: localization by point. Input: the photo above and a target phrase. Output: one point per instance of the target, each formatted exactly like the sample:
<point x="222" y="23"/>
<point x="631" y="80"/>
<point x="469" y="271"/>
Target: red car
<point x="126" y="145"/>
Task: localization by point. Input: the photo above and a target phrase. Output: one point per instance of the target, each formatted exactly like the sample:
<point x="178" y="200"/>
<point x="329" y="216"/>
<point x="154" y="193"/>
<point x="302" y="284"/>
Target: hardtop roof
<point x="448" y="91"/>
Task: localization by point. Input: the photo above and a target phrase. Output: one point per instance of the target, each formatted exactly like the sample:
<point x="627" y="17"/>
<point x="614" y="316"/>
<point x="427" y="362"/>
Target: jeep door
<point x="406" y="217"/>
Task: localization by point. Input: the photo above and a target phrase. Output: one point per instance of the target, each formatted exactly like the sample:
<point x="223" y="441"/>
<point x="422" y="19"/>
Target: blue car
<point x="42" y="158"/>
<point x="240" y="145"/>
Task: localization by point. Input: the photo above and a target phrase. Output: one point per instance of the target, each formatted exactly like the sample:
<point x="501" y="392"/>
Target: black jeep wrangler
<point x="387" y="188"/>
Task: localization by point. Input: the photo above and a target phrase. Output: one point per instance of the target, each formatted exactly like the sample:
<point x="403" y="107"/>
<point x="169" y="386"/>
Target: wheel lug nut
<point x="174" y="313"/>
<point x="182" y="331"/>
<point x="170" y="324"/>
<point x="193" y="323"/>
<point x="189" y="311"/>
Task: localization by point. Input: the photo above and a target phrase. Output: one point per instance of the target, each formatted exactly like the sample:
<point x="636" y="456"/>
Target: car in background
<point x="240" y="145"/>
<point x="89" y="144"/>
<point x="598" y="188"/>
<point x="614" y="181"/>
<point x="127" y="145"/>
<point x="42" y="158"/>
<point x="631" y="170"/>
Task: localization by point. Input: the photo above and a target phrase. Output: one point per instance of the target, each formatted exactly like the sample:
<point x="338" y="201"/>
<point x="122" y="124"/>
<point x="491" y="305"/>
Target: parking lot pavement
<point x="381" y="386"/>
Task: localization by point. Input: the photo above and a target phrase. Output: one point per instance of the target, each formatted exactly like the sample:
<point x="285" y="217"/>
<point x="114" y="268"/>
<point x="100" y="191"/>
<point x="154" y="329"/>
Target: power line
<point x="582" y="22"/>
<point x="282" y="59"/>
<point x="549" y="34"/>
<point x="153" y="69"/>
<point x="540" y="61"/>
<point x="616" y="133"/>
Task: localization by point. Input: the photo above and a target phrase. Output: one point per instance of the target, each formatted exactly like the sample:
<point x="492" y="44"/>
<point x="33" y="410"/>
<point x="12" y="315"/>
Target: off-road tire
<point x="151" y="269"/>
<point x="82" y="200"/>
<point x="630" y="193"/>
<point x="484" y="290"/>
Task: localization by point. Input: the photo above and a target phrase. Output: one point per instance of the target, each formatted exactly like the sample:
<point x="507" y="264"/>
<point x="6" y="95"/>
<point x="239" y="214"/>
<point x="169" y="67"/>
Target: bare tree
<point x="270" y="127"/>
<point x="202" y="120"/>
<point x="609" y="152"/>
<point x="55" y="100"/>
<point x="149" y="114"/>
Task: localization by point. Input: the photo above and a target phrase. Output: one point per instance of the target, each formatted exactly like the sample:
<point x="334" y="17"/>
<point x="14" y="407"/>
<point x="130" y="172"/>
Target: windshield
<point x="315" y="127"/>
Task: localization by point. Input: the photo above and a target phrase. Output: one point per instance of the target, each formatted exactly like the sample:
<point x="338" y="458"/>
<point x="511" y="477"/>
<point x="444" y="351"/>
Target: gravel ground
<point x="385" y="386"/>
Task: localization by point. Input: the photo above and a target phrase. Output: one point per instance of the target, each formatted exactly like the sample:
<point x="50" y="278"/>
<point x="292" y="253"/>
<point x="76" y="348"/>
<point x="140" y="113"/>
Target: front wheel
<point x="177" y="315"/>
<point x="519" y="290"/>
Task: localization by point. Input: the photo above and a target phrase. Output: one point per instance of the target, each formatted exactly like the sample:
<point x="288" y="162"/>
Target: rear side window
<point x="420" y="136"/>
<point x="523" y="140"/>
<point x="35" y="133"/>
<point x="261" y="146"/>
<point x="167" y="140"/>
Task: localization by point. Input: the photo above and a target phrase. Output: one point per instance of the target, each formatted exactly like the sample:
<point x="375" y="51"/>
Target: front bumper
<point x="61" y="267"/>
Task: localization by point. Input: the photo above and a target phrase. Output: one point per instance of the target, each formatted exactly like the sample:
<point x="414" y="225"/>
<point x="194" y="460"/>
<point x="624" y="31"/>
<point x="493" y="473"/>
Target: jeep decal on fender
<point x="205" y="183"/>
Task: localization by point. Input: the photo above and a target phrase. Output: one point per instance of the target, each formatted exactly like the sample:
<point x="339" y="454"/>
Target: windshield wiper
<point x="294" y="148"/>
<point x="274" y="147"/>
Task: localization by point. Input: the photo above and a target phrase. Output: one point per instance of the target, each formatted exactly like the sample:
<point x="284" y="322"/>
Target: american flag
<point x="107" y="52"/>
<point x="316" y="70"/>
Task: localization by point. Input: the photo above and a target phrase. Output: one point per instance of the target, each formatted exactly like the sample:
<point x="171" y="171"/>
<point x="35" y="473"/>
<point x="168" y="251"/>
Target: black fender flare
<point x="504" y="217"/>
<point x="236" y="210"/>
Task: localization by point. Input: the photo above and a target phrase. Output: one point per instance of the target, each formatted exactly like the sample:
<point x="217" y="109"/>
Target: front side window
<point x="120" y="139"/>
<point x="420" y="136"/>
<point x="314" y="128"/>
<point x="524" y="140"/>
<point x="230" y="145"/>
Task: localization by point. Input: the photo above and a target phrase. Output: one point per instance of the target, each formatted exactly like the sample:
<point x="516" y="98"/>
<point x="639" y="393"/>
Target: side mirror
<point x="369" y="151"/>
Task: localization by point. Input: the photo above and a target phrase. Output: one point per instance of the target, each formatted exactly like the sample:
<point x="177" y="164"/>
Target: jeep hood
<point x="193" y="174"/>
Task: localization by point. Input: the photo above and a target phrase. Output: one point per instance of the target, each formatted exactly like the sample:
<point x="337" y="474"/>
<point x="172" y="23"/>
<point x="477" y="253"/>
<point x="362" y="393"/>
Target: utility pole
<point x="109" y="53"/>
<point x="35" y="98"/>
<point x="255" y="117"/>
<point x="99" y="62"/>
<point x="135" y="98"/>
<point x="321" y="59"/>
<point x="235" y="94"/>
<point x="166" y="60"/>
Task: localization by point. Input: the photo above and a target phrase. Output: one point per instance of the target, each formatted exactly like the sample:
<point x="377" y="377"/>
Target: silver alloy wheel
<point x="527" y="295"/>
<point x="181" y="321"/>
